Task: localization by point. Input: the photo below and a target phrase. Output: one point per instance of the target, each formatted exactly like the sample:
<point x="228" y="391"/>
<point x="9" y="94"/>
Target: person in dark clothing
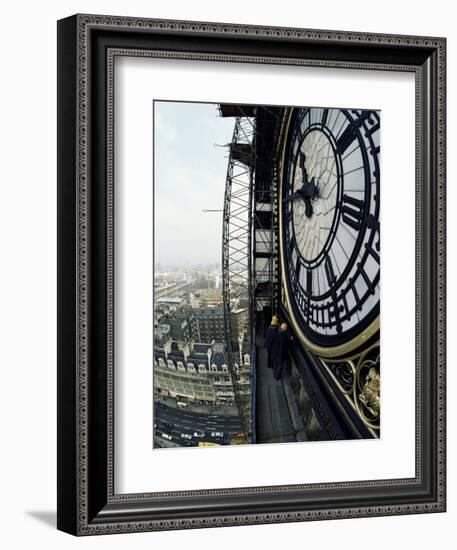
<point x="280" y="353"/>
<point x="270" y="335"/>
<point x="266" y="317"/>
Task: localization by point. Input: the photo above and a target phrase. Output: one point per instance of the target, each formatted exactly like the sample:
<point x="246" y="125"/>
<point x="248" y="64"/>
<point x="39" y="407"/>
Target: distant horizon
<point x="162" y="266"/>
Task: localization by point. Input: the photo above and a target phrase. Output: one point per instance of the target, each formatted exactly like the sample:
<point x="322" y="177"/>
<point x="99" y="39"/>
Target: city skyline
<point x="178" y="267"/>
<point x="197" y="386"/>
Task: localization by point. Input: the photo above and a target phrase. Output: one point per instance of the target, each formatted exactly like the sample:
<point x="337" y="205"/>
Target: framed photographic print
<point x="251" y="221"/>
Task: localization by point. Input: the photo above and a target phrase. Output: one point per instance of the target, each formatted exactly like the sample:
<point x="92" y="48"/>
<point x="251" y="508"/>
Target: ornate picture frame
<point x="87" y="47"/>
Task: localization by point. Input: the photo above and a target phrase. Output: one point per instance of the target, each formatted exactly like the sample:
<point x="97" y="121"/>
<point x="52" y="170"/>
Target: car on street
<point x="199" y="434"/>
<point x="217" y="434"/>
<point x="186" y="436"/>
<point x="166" y="436"/>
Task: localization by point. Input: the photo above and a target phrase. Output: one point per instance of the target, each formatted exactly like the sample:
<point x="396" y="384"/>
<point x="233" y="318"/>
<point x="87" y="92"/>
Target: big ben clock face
<point x="330" y="234"/>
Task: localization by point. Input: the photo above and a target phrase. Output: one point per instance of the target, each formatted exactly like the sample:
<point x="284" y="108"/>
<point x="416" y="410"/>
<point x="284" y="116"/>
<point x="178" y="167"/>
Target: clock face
<point x="330" y="221"/>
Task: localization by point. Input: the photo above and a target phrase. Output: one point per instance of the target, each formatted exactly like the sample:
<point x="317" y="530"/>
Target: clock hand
<point x="316" y="192"/>
<point x="309" y="187"/>
<point x="297" y="195"/>
<point x="308" y="191"/>
<point x="303" y="168"/>
<point x="308" y="207"/>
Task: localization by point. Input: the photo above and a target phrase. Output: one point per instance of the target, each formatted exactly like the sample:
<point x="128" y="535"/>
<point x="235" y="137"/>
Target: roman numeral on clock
<point x="363" y="116"/>
<point x="351" y="285"/>
<point x="334" y="313"/>
<point x="288" y="222"/>
<point x="329" y="271"/>
<point x="291" y="245"/>
<point x="346" y="138"/>
<point x="309" y="281"/>
<point x="373" y="252"/>
<point x="371" y="286"/>
<point x="324" y="117"/>
<point x="346" y="307"/>
<point x="297" y="269"/>
<point x="352" y="211"/>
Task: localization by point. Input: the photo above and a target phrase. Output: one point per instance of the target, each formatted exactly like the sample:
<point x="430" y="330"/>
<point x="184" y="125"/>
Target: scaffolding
<point x="265" y="298"/>
<point x="236" y="254"/>
<point x="249" y="255"/>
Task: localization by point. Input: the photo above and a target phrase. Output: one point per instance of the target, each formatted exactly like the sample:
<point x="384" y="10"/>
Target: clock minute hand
<point x="308" y="207"/>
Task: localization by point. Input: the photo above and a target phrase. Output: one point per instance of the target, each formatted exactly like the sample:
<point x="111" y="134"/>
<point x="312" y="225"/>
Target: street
<point x="175" y="422"/>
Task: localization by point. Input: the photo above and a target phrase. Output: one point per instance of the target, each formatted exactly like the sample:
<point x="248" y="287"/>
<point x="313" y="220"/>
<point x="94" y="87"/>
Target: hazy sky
<point x="189" y="176"/>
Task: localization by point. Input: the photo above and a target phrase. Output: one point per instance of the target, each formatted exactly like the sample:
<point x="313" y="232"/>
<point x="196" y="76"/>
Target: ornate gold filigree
<point x="370" y="394"/>
<point x="368" y="387"/>
<point x="359" y="379"/>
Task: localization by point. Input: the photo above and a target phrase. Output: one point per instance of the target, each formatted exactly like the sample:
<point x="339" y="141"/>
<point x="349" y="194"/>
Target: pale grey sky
<point x="189" y="176"/>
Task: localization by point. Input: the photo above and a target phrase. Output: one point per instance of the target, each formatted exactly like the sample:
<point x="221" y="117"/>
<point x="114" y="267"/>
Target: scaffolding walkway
<point x="277" y="415"/>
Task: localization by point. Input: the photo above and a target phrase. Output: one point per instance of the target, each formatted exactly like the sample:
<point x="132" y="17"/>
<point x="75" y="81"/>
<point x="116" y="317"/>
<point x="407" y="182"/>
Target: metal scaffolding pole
<point x="237" y="256"/>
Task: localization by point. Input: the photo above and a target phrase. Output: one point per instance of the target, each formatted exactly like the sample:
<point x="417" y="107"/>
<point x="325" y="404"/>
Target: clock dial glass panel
<point x="330" y="200"/>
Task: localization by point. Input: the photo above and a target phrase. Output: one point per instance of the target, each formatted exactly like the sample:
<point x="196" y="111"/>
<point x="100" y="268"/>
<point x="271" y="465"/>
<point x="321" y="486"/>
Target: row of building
<point x="190" y="358"/>
<point x="200" y="324"/>
<point x="198" y="372"/>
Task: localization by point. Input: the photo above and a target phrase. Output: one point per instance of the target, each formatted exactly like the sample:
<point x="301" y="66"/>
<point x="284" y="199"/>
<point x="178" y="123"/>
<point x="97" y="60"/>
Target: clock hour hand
<point x="308" y="191"/>
<point x="303" y="168"/>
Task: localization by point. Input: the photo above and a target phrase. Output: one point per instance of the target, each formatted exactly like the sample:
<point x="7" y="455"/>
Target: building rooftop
<point x="176" y="356"/>
<point x="176" y="300"/>
<point x="174" y="347"/>
<point x="197" y="359"/>
<point x="209" y="311"/>
<point x="218" y="358"/>
<point x="201" y="349"/>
